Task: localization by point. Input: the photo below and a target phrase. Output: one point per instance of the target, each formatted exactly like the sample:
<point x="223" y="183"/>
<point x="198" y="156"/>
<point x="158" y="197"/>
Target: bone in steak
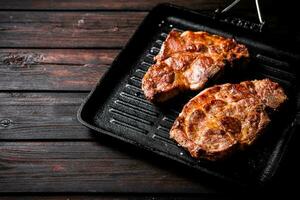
<point x="226" y="117"/>
<point x="187" y="61"/>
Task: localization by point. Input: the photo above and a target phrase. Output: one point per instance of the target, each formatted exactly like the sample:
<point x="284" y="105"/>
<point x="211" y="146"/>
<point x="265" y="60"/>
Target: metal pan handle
<point x="241" y="22"/>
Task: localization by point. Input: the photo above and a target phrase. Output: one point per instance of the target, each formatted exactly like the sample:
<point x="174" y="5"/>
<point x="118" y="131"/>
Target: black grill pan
<point x="117" y="106"/>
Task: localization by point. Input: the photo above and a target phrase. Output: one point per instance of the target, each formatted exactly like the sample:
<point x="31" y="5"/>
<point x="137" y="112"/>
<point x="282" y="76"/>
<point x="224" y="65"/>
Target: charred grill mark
<point x="231" y="125"/>
<point x="214" y="106"/>
<point x="194" y="123"/>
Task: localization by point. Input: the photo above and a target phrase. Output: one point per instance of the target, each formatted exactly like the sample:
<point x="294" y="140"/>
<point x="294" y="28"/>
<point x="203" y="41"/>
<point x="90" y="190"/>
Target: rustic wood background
<point x="52" y="53"/>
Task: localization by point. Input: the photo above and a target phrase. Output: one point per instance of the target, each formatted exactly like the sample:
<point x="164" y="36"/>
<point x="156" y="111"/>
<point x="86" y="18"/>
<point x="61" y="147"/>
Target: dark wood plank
<point x="67" y="29"/>
<point x="104" y="166"/>
<point x="103" y="4"/>
<point x="41" y="116"/>
<point x="53" y="69"/>
<point x="111" y="197"/>
<point x="46" y="29"/>
<point x="109" y="166"/>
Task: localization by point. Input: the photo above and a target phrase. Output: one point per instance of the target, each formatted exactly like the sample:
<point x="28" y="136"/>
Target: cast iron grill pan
<point x="117" y="106"/>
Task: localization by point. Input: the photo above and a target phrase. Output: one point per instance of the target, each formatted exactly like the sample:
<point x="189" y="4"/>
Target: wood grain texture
<point x="104" y="4"/>
<point x="111" y="197"/>
<point x="101" y="166"/>
<point x="67" y="29"/>
<point x="42" y="116"/>
<point x="53" y="69"/>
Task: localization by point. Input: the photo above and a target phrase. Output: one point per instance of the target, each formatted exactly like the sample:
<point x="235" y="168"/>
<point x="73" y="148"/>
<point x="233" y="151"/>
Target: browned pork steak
<point x="224" y="117"/>
<point x="187" y="61"/>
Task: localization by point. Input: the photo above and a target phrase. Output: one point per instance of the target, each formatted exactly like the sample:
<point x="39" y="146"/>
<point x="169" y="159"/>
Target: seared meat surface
<point x="226" y="117"/>
<point x="187" y="61"/>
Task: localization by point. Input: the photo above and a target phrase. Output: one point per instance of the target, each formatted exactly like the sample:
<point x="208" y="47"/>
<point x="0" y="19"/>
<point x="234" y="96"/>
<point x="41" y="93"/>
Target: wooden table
<point x="52" y="53"/>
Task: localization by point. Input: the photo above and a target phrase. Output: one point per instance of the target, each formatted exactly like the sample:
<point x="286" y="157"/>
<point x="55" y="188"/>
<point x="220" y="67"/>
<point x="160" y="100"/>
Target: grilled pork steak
<point x="187" y="61"/>
<point x="224" y="117"/>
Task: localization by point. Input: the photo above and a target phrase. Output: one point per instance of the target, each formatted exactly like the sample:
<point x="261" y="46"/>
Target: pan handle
<point x="241" y="22"/>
